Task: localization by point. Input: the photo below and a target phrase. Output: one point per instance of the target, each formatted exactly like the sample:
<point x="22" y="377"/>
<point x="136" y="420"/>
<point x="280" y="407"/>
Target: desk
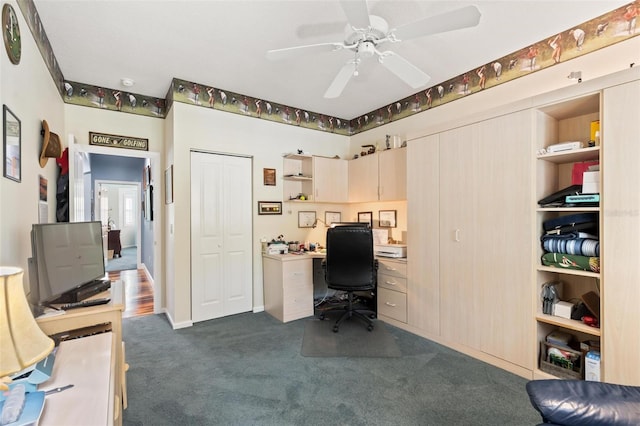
<point x="89" y="364"/>
<point x="288" y="285"/>
<point x="86" y="317"/>
<point x="289" y="292"/>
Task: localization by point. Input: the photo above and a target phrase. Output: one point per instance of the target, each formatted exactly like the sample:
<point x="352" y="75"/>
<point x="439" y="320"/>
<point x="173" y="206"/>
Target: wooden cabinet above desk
<point x="381" y="176"/>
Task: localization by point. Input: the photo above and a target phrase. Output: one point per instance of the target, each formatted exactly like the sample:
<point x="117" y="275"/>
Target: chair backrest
<point x="350" y="264"/>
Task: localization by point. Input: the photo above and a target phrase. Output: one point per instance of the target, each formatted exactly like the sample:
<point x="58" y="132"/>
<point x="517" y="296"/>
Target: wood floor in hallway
<point x="138" y="292"/>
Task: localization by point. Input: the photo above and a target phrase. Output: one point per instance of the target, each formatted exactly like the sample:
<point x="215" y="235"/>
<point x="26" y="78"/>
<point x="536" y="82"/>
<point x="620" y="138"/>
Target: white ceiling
<point x="223" y="44"/>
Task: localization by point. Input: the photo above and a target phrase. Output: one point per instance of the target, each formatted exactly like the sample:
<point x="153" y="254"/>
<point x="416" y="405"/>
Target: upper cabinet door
<point x="392" y="175"/>
<point x="363" y="179"/>
<point x="330" y="180"/>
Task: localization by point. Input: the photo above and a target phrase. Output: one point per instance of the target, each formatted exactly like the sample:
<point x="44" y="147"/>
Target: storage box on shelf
<point x="564" y="121"/>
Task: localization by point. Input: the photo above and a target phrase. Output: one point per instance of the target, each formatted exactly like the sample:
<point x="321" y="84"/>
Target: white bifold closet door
<point x="221" y="235"/>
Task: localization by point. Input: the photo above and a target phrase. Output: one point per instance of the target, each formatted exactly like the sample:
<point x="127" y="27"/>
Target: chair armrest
<point x="577" y="402"/>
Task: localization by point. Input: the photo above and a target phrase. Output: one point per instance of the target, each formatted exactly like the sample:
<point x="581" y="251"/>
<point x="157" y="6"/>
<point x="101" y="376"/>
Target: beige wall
<point x="29" y="92"/>
<point x="266" y="142"/>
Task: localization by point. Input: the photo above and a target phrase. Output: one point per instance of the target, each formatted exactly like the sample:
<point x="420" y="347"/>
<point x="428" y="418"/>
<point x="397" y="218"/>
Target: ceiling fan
<point x="365" y="33"/>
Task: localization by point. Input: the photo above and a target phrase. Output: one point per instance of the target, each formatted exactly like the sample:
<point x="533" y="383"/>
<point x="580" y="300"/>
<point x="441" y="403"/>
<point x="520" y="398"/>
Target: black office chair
<point x="350" y="266"/>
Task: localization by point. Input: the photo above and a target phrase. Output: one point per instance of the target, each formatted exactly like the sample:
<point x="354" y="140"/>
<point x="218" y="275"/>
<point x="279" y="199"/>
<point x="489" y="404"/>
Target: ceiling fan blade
<point x="404" y="69"/>
<point x="288" y="52"/>
<point x="466" y="17"/>
<point x="340" y="81"/>
<point x="357" y="13"/>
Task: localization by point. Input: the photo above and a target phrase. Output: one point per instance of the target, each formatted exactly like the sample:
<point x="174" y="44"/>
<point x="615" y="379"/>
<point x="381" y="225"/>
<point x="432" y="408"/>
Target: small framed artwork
<point x="387" y="218"/>
<point x="148" y="203"/>
<point x="269" y="207"/>
<point x="366" y="217"/>
<point x="168" y="185"/>
<point x="269" y="177"/>
<point x="12" y="145"/>
<point x="306" y="219"/>
<point x="332" y="217"/>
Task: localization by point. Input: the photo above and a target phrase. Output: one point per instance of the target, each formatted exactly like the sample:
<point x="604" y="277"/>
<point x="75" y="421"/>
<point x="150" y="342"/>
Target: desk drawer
<point x="392" y="282"/>
<point x="392" y="304"/>
<point x="297" y="291"/>
<point x="389" y="267"/>
<point x="297" y="305"/>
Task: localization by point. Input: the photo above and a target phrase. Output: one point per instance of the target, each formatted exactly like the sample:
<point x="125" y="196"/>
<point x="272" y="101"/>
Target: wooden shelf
<point x="568" y="271"/>
<point x="568" y="324"/>
<point x="294" y="177"/>
<point x="298" y="156"/>
<point x="568" y="209"/>
<point x="582" y="154"/>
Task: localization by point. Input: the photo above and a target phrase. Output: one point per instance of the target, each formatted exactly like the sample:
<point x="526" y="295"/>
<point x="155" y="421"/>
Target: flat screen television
<point x="67" y="262"/>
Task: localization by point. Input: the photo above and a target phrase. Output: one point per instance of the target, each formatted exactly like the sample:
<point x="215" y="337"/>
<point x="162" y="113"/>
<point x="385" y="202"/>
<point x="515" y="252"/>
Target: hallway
<point x="138" y="290"/>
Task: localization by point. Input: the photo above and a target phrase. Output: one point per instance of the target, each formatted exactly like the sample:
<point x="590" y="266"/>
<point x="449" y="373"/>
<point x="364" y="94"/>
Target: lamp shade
<point x="22" y="342"/>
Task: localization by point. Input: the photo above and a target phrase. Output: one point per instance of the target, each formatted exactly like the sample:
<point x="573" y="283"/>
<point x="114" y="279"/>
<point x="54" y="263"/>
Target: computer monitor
<point x="65" y="257"/>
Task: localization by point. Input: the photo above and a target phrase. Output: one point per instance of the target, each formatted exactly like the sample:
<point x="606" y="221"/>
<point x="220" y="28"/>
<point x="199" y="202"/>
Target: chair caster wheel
<point x="372" y="316"/>
<point x="335" y="328"/>
<point x="321" y="317"/>
<point x="370" y="328"/>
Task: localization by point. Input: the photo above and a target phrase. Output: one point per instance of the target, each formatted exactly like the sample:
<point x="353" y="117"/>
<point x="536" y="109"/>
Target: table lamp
<point x="22" y="342"/>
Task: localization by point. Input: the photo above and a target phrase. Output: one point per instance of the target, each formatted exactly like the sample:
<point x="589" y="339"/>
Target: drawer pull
<point x="390" y="282"/>
<point x="393" y="305"/>
<point x="390" y="269"/>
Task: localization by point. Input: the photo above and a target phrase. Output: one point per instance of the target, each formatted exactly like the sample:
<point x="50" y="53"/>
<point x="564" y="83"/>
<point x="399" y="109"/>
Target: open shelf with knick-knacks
<point x="571" y="269"/>
<point x="297" y="176"/>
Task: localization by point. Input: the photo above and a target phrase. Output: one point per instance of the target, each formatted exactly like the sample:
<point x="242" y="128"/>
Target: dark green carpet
<point x="353" y="339"/>
<point x="247" y="370"/>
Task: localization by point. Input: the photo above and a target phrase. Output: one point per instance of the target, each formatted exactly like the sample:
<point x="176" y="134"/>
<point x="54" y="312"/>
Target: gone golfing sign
<point x="114" y="141"/>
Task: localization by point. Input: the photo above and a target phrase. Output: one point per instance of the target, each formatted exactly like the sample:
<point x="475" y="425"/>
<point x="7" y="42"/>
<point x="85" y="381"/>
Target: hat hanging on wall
<point x="51" y="146"/>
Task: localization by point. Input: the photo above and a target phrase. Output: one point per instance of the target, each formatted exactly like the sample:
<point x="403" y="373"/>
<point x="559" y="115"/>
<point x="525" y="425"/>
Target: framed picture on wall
<point x="387" y="218"/>
<point x="306" y="219"/>
<point x="269" y="207"/>
<point x="269" y="177"/>
<point x="366" y="217"/>
<point x="332" y="217"/>
<point x="168" y="185"/>
<point x="12" y="145"/>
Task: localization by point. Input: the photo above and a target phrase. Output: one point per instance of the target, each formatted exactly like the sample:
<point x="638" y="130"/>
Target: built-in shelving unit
<point x="297" y="176"/>
<point x="569" y="120"/>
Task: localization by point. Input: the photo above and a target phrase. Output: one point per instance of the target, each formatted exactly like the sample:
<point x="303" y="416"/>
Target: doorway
<point x="82" y="199"/>
<point x="117" y="207"/>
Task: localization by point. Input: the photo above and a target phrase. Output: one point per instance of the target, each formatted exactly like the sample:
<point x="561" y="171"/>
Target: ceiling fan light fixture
<point x="366" y="49"/>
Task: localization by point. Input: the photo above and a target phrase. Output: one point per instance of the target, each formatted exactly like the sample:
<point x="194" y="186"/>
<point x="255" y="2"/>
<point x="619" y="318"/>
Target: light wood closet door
<point x="459" y="294"/>
<point x="621" y="237"/>
<point x="423" y="217"/>
<point x="502" y="245"/>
